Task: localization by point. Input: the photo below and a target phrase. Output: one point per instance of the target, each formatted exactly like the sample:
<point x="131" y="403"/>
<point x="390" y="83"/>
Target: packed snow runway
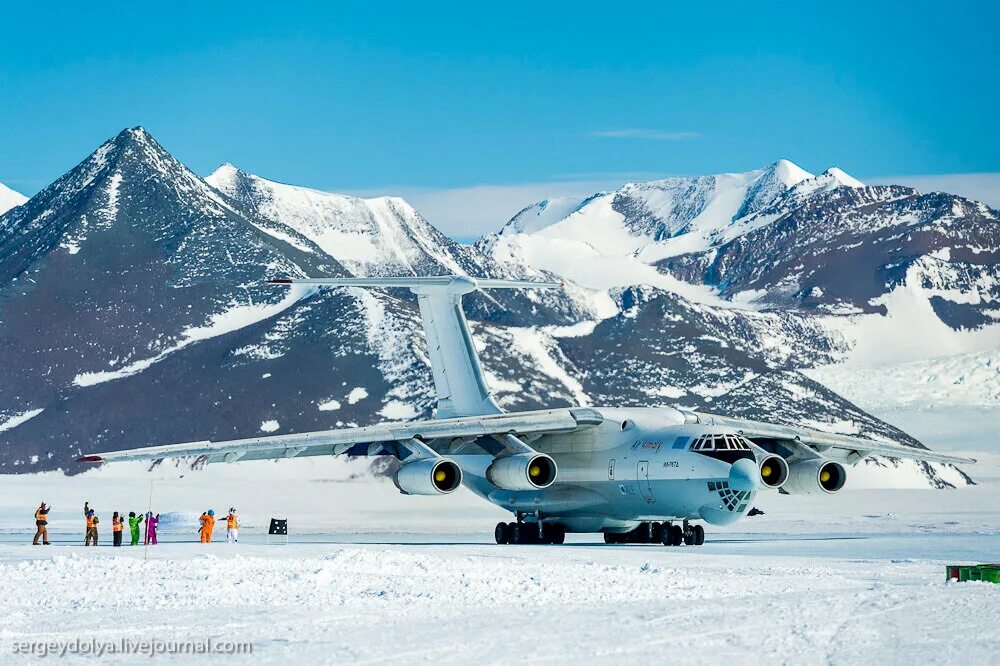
<point x="833" y="597"/>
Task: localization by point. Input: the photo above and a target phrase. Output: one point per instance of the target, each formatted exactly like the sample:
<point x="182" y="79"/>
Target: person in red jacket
<point x="42" y="524"/>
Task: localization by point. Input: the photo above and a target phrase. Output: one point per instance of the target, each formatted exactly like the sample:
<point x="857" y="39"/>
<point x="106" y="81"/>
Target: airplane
<point x="637" y="475"/>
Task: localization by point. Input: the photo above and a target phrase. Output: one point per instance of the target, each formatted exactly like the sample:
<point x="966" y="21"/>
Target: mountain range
<point x="134" y="307"/>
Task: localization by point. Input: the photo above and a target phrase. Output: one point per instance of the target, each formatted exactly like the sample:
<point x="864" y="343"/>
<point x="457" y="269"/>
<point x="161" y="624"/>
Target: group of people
<point x="118" y="521"/>
<point x="207" y="526"/>
<point x="118" y="527"/>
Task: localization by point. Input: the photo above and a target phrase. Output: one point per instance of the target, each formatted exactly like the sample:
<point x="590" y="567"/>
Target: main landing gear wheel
<point x="699" y="535"/>
<point x="524" y="533"/>
<point x="647" y="533"/>
<point x="502" y="533"/>
<point x="672" y="535"/>
<point x="518" y="533"/>
<point x="555" y="533"/>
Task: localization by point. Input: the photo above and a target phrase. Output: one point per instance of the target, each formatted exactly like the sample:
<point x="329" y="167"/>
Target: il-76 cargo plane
<point x="636" y="474"/>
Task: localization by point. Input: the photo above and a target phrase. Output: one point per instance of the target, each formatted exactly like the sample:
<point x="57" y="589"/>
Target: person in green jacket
<point x="133" y="524"/>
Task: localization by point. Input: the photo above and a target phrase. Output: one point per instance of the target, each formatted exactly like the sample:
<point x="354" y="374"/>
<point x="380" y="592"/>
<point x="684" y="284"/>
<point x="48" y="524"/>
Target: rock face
<point x="134" y="307"/>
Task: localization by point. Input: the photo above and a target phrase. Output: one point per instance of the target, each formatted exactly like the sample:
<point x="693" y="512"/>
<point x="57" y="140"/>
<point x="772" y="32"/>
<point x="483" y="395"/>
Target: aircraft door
<point x="642" y="476"/>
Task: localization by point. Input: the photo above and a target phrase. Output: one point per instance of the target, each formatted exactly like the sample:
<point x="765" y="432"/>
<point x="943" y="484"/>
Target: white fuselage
<point x="637" y="466"/>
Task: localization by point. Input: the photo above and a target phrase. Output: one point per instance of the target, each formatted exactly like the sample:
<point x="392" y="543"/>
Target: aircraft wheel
<point x="689" y="538"/>
<point x="646" y="533"/>
<point x="502" y="533"/>
<point x="518" y="533"/>
<point x="674" y="535"/>
<point x="556" y="533"/>
<point x="656" y="533"/>
<point x="699" y="533"/>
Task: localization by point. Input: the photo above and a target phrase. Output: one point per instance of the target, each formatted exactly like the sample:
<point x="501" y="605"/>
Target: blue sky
<point x="463" y="107"/>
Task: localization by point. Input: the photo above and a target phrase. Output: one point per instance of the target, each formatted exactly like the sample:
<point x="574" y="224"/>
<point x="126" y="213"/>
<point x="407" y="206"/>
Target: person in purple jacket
<point x="151" y="522"/>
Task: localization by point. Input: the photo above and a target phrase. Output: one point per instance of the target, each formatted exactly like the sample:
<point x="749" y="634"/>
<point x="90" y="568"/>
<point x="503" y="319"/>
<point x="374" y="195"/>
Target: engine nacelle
<point x="522" y="471"/>
<point x="773" y="471"/>
<point x="815" y="476"/>
<point x="430" y="476"/>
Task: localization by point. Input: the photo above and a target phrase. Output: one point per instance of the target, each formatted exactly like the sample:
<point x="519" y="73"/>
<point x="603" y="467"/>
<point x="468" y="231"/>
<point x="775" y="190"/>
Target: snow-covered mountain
<point x="779" y="237"/>
<point x="10" y="198"/>
<point x="134" y="309"/>
<point x="379" y="236"/>
<point x="387" y="236"/>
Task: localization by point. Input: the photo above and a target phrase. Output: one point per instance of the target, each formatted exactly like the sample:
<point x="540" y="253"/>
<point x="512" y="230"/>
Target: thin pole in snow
<point x="149" y="512"/>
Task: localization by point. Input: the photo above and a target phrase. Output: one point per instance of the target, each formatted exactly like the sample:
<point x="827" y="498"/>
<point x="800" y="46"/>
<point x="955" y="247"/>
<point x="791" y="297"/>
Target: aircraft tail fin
<point x="458" y="377"/>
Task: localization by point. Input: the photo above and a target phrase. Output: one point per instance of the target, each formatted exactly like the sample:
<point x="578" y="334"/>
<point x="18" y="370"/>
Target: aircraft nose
<point x="743" y="476"/>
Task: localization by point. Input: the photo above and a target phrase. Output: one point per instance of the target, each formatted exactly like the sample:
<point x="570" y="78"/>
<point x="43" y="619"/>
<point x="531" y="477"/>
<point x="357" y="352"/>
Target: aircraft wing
<point x="806" y="442"/>
<point x="380" y="439"/>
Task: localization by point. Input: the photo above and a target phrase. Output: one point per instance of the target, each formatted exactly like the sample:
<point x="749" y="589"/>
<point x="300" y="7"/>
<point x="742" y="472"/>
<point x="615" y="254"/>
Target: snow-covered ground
<point x="371" y="575"/>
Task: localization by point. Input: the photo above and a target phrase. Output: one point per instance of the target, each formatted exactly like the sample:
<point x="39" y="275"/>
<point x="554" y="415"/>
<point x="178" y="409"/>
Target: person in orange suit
<point x="207" y="525"/>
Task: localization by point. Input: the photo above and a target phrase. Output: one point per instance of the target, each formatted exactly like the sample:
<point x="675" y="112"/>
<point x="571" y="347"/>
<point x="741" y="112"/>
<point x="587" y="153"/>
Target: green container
<point x="984" y="572"/>
<point x="957" y="572"/>
<point x="990" y="573"/>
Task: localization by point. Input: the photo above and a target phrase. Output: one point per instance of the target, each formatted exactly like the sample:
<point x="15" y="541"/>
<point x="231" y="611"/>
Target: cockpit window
<point x="724" y="442"/>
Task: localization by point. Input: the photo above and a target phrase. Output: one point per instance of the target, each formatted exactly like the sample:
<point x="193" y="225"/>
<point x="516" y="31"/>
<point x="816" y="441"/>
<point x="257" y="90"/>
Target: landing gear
<point x="644" y="533"/>
<point x="524" y="533"/>
<point x="668" y="534"/>
<point x="502" y="533"/>
<point x="690" y="535"/>
<point x="672" y="535"/>
<point x="694" y="535"/>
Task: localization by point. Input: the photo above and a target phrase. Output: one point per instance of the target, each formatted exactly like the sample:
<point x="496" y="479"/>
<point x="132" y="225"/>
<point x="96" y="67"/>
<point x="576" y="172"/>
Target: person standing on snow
<point x="117" y="525"/>
<point x="42" y="524"/>
<point x="92" y="521"/>
<point x="207" y="520"/>
<point x="232" y="526"/>
<point x="151" y="523"/>
<point x="133" y="525"/>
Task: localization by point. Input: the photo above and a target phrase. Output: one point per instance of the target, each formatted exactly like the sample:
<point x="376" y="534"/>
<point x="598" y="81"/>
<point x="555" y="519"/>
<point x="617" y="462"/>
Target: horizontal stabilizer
<point x="455" y="284"/>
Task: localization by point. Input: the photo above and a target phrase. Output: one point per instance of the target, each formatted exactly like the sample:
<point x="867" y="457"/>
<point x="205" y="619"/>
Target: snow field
<point x="456" y="603"/>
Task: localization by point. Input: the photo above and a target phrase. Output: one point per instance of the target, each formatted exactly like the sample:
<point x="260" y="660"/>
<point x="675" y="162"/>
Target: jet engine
<point x="522" y="471"/>
<point x="773" y="471"/>
<point x="430" y="476"/>
<point x="815" y="476"/>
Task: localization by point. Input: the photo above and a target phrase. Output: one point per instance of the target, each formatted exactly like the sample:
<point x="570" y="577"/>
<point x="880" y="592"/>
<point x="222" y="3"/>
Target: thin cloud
<point x="650" y="134"/>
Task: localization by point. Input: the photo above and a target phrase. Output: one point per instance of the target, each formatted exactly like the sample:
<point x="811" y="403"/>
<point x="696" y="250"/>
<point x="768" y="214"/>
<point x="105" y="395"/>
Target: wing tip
<point x="280" y="281"/>
<point x="90" y="459"/>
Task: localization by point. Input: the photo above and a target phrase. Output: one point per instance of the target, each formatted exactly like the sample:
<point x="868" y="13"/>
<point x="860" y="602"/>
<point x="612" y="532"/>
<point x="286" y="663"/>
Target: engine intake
<point x="522" y="471"/>
<point x="815" y="476"/>
<point x="430" y="476"/>
<point x="773" y="471"/>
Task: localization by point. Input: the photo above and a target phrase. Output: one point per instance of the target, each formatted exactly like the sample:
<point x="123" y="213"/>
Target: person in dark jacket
<point x="42" y="524"/>
<point x="92" y="521"/>
<point x="117" y="525"/>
